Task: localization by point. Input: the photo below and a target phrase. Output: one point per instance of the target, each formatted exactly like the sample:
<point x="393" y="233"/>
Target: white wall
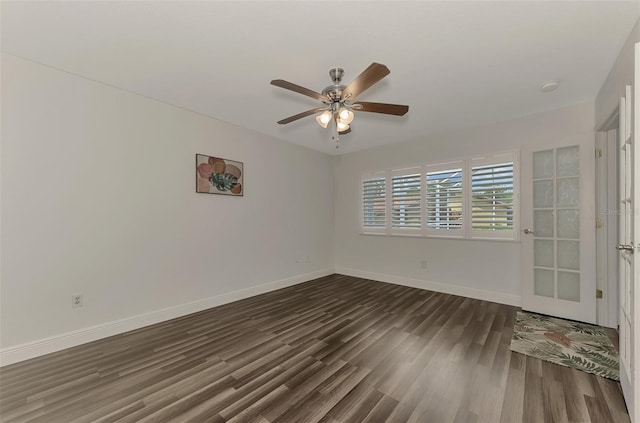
<point x="621" y="74"/>
<point x="483" y="269"/>
<point x="98" y="198"/>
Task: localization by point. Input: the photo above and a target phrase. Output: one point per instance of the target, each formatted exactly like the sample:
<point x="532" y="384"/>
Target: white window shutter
<point x="493" y="204"/>
<point x="374" y="208"/>
<point x="406" y="209"/>
<point x="444" y="200"/>
<point x="473" y="198"/>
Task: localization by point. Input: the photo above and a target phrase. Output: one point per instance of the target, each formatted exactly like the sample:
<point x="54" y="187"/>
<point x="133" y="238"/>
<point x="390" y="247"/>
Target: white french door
<point x="558" y="240"/>
<point x="629" y="235"/>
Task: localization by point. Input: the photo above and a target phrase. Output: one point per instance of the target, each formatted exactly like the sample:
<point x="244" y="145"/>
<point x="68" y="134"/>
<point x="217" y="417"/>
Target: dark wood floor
<point x="338" y="349"/>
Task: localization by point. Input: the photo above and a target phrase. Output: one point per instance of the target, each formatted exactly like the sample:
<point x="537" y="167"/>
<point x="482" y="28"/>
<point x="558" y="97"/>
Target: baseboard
<point x="71" y="339"/>
<point x="445" y="288"/>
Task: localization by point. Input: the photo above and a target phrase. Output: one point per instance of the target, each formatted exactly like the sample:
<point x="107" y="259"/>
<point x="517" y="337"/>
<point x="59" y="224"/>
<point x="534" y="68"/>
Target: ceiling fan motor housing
<point x="335" y="91"/>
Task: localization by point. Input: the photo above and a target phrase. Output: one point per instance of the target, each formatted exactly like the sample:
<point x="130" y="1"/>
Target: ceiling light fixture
<point x="341" y="125"/>
<point x="324" y="118"/>
<point x="342" y="117"/>
<point x="346" y="115"/>
<point x="549" y="86"/>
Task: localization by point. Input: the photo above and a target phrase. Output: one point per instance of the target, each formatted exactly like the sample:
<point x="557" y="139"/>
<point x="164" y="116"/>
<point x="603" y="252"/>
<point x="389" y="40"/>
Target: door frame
<point x="608" y="253"/>
<point x="635" y="346"/>
<point x="631" y="388"/>
<point x="607" y="227"/>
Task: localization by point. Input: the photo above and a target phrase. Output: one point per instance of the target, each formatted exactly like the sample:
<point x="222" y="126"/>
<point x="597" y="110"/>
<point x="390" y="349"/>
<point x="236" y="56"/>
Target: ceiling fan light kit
<point x="324" y="118"/>
<point x="346" y="115"/>
<point x="342" y="126"/>
<point x="339" y="100"/>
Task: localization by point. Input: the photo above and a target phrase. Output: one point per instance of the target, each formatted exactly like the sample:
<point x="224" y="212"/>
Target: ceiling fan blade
<point x="300" y="90"/>
<point x="301" y="115"/>
<point x="387" y="109"/>
<point x="374" y="73"/>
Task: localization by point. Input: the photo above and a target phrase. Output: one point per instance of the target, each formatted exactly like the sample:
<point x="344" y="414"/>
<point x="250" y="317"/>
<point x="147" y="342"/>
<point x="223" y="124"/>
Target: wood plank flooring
<point x="338" y="349"/>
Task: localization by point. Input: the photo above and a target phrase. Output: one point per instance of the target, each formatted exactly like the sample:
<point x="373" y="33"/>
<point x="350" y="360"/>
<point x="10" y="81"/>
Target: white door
<point x="558" y="229"/>
<point x="629" y="235"/>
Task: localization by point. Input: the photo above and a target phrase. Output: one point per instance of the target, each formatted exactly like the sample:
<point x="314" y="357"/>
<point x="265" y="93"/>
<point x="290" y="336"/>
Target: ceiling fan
<point x="339" y="100"/>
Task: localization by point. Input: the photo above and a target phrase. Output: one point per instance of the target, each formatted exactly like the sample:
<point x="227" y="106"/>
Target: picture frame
<point x="215" y="175"/>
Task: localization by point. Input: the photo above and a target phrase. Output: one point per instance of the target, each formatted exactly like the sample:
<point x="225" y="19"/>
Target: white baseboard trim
<point x="71" y="339"/>
<point x="445" y="288"/>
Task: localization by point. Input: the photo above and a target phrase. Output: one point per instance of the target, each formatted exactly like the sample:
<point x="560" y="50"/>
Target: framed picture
<point x="219" y="176"/>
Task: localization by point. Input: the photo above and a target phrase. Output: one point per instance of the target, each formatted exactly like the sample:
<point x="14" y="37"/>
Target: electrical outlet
<point x="76" y="300"/>
<point x="423" y="264"/>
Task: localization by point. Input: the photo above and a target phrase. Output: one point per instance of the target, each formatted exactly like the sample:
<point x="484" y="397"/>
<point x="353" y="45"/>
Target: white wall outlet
<point x="423" y="264"/>
<point x="76" y="300"/>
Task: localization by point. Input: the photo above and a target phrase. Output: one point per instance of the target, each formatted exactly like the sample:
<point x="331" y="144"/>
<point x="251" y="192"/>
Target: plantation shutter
<point x="374" y="202"/>
<point x="476" y="198"/>
<point x="444" y="200"/>
<point x="492" y="201"/>
<point x="405" y="193"/>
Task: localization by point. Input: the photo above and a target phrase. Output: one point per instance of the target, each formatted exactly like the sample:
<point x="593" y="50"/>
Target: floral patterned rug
<point x="567" y="343"/>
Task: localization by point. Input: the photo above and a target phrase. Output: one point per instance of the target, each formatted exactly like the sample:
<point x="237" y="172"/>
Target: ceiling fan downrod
<point x="334" y="92"/>
<point x="336" y="75"/>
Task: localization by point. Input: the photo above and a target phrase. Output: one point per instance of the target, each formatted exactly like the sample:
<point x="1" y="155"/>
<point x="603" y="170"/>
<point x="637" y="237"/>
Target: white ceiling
<point x="456" y="64"/>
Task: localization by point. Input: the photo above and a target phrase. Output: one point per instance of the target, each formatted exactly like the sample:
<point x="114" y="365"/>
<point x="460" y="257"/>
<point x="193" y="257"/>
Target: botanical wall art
<point x="218" y="176"/>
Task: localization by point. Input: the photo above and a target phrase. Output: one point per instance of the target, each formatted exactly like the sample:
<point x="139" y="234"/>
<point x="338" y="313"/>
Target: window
<point x="444" y="199"/>
<point x="474" y="198"/>
<point x="374" y="203"/>
<point x="405" y="193"/>
<point x="492" y="198"/>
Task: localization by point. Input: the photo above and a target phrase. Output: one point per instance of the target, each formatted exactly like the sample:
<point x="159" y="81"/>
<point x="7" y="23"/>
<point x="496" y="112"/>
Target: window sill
<point x="453" y="238"/>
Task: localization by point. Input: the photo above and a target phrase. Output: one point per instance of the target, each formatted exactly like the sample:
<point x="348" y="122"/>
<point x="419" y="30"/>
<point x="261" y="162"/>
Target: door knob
<point x="528" y="231"/>
<point x="625" y="247"/>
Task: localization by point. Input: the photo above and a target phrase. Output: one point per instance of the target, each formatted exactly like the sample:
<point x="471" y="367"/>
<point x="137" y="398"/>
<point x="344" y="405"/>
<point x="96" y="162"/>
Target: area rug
<point x="567" y="343"/>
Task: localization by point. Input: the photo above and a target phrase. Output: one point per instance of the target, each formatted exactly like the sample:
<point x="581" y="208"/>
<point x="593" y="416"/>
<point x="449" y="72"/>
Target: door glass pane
<point x="569" y="286"/>
<point x="542" y="194"/>
<point x="543" y="223"/>
<point x="543" y="283"/>
<point x="568" y="161"/>
<point x="543" y="253"/>
<point x="568" y="193"/>
<point x="568" y="224"/>
<point x="568" y="255"/>
<point x="556" y="223"/>
<point x="543" y="164"/>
